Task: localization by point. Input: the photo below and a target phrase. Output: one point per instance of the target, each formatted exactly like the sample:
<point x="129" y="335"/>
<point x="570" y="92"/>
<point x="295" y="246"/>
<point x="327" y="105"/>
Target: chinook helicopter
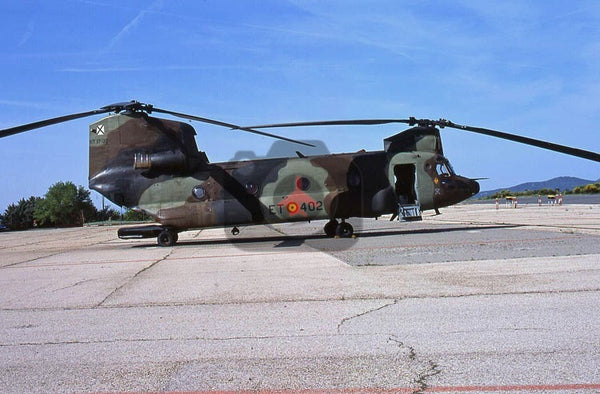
<point x="154" y="165"/>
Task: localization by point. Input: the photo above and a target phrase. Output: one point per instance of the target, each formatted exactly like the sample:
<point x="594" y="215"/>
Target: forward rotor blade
<point x="230" y="125"/>
<point x="347" y="122"/>
<point x="48" y="122"/>
<point x="525" y="140"/>
<point x="446" y="123"/>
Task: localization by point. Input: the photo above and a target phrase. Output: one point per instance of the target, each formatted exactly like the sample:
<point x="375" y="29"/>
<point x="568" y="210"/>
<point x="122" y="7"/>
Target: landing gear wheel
<point x="330" y="228"/>
<point x="167" y="238"/>
<point x="344" y="230"/>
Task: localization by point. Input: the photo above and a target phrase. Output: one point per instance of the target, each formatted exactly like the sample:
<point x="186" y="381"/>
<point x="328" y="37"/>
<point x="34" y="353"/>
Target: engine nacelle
<point x="166" y="162"/>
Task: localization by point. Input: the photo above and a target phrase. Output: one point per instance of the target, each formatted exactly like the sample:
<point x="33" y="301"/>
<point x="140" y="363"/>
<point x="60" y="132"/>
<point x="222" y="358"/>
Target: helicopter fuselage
<point x="152" y="164"/>
<point x="339" y="186"/>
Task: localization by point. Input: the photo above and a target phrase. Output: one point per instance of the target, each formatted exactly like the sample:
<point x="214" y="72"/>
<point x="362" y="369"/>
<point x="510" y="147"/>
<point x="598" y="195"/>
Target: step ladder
<point x="409" y="212"/>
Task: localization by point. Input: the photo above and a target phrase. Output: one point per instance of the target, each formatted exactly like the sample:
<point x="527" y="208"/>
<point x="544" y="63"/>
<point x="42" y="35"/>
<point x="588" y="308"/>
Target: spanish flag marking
<point x="292" y="207"/>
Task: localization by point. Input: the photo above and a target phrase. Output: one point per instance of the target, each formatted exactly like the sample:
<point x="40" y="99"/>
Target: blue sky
<point x="526" y="67"/>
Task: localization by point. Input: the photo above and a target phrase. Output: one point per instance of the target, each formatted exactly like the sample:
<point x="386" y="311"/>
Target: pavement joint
<point x="305" y="300"/>
<point x="183" y="339"/>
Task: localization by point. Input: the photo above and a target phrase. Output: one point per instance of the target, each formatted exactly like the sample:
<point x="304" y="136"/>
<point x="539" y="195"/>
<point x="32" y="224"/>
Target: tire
<point x="344" y="230"/>
<point x="167" y="238"/>
<point x="330" y="228"/>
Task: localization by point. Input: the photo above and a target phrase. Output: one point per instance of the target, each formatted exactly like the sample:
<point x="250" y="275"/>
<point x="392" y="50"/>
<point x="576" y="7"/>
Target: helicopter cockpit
<point x="451" y="188"/>
<point x="444" y="168"/>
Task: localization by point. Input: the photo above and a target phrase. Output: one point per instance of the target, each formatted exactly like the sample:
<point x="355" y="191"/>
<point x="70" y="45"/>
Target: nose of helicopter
<point x="473" y="186"/>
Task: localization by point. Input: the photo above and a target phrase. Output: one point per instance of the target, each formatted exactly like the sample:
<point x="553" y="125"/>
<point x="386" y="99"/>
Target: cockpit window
<point x="444" y="169"/>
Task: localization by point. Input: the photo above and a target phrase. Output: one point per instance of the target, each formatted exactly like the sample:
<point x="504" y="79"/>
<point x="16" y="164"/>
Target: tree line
<point x="592" y="188"/>
<point x="63" y="205"/>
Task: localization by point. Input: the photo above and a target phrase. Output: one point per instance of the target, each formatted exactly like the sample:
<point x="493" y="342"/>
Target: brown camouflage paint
<point x="347" y="185"/>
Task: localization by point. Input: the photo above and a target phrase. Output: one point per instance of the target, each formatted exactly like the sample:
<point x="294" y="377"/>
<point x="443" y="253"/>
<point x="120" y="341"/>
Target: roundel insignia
<point x="292" y="207"/>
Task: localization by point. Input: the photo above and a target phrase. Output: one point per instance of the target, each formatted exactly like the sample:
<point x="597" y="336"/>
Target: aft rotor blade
<point x="230" y="125"/>
<point x="524" y="140"/>
<point x="48" y="122"/>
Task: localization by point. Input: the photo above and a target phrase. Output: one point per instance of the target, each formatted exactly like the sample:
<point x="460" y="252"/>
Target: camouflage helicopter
<point x="154" y="165"/>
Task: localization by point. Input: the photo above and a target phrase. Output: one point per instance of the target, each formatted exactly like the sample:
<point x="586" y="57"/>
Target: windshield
<point x="444" y="168"/>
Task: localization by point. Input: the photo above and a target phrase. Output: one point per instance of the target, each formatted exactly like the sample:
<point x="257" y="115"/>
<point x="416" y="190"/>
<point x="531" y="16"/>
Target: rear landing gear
<point x="167" y="238"/>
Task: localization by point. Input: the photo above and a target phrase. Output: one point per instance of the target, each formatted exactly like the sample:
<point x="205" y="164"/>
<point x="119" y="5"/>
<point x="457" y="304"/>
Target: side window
<point x="442" y="169"/>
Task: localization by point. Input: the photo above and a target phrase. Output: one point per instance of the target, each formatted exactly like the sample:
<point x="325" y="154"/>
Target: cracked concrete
<point x="100" y="314"/>
<point x="426" y="369"/>
<point x="136" y="275"/>
<point x="346" y="319"/>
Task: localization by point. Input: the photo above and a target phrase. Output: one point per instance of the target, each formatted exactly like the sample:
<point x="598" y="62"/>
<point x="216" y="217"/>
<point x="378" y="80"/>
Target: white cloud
<point x="28" y="33"/>
<point x="156" y="5"/>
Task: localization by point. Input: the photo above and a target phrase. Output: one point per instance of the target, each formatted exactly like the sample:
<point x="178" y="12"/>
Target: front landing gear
<point x="344" y="230"/>
<point x="330" y="228"/>
<point x="167" y="238"/>
<point x="341" y="230"/>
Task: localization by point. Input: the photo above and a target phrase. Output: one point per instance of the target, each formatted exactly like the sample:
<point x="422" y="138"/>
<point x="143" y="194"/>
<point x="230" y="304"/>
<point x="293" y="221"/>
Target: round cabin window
<point x="251" y="188"/>
<point x="302" y="183"/>
<point x="199" y="193"/>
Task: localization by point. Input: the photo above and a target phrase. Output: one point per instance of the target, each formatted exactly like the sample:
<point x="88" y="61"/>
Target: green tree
<point x="64" y="205"/>
<point x="136" y="216"/>
<point x="592" y="188"/>
<point x="20" y="216"/>
<point x="546" y="192"/>
<point x="107" y="213"/>
<point x="501" y="194"/>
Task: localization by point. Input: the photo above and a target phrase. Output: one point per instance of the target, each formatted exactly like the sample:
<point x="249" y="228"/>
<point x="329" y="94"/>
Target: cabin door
<point x="405" y="184"/>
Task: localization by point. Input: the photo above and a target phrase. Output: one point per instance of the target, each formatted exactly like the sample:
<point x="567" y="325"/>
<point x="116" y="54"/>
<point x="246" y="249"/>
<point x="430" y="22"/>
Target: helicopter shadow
<point x="291" y="241"/>
<point x="391" y="232"/>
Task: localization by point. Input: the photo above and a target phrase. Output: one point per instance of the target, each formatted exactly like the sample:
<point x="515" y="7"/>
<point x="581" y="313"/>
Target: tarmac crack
<point x="347" y="319"/>
<point x="11" y="265"/>
<point x="74" y="284"/>
<point x="101" y="303"/>
<point x="430" y="369"/>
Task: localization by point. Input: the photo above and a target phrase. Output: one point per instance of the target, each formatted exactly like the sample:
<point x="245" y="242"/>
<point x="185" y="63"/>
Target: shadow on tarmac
<point x="298" y="240"/>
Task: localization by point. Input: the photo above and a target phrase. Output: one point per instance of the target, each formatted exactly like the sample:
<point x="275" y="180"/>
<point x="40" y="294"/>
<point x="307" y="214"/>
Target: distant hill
<point x="562" y="183"/>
